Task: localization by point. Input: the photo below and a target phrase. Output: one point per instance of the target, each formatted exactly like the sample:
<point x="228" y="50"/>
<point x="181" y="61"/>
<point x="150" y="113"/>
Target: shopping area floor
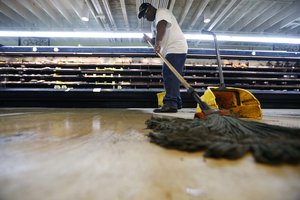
<point x="54" y="154"/>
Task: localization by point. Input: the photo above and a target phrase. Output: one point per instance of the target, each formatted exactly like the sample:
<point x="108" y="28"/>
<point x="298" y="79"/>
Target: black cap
<point x="142" y="9"/>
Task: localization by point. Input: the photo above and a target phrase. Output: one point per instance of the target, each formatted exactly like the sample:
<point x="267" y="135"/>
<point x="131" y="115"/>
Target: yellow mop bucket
<point x="239" y="101"/>
<point x="160" y="98"/>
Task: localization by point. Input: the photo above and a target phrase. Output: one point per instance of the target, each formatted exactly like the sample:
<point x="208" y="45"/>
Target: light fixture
<point x="206" y="15"/>
<point x="70" y="34"/>
<point x="136" y="35"/>
<point x="237" y="38"/>
<point x="206" y="20"/>
<point x="85" y="13"/>
<point x="85" y="19"/>
<point x="264" y="39"/>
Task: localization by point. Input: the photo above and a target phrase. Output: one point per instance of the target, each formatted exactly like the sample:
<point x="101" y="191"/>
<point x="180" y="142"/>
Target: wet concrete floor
<point x="54" y="154"/>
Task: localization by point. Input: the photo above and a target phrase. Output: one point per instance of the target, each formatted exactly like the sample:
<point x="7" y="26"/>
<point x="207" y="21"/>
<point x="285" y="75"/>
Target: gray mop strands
<point x="228" y="137"/>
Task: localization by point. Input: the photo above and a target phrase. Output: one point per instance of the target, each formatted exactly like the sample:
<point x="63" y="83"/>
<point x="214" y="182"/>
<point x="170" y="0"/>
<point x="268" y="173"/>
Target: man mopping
<point x="168" y="40"/>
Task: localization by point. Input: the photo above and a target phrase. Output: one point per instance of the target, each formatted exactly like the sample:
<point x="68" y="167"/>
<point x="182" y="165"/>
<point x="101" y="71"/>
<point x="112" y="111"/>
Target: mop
<point x="223" y="136"/>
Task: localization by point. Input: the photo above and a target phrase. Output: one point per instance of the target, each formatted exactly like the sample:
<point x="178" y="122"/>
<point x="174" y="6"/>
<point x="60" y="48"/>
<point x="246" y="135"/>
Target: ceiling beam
<point x="186" y="9"/>
<point x="231" y="9"/>
<point x="286" y="28"/>
<point x="93" y="12"/>
<point x="215" y="8"/>
<point x="222" y="14"/>
<point x="13" y="15"/>
<point x="34" y="8"/>
<point x="78" y="8"/>
<point x="82" y="8"/>
<point x="164" y="3"/>
<point x="154" y="3"/>
<point x="61" y="9"/>
<point x="242" y="11"/>
<point x="281" y="24"/>
<point x="50" y="12"/>
<point x="281" y="14"/>
<point x="255" y="11"/>
<point x="270" y="12"/>
<point x="100" y="14"/>
<point x="124" y="12"/>
<point x="171" y="5"/>
<point x="140" y="21"/>
<point x="7" y="23"/>
<point x="198" y="13"/>
<point x="294" y="30"/>
<point x="109" y="14"/>
<point x="22" y="11"/>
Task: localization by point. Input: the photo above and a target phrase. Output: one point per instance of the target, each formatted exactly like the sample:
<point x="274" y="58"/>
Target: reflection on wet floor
<point x="91" y="154"/>
<point x="68" y="122"/>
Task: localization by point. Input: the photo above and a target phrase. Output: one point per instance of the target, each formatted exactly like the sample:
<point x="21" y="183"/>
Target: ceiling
<point x="276" y="17"/>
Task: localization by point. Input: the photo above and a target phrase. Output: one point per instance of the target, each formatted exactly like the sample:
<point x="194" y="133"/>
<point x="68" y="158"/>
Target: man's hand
<point x="157" y="47"/>
<point x="152" y="41"/>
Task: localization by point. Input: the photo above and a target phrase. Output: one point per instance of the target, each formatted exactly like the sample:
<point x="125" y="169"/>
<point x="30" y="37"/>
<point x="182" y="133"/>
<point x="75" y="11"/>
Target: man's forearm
<point x="161" y="30"/>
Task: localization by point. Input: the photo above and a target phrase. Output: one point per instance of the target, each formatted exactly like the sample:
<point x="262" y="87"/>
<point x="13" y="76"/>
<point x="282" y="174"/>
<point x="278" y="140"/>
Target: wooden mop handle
<point x="171" y="67"/>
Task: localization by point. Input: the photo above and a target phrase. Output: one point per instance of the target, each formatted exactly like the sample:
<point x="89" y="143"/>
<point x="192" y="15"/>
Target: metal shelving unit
<point x="120" y="71"/>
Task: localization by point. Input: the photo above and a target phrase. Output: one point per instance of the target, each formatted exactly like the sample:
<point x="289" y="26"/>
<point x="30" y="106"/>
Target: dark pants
<point x="171" y="83"/>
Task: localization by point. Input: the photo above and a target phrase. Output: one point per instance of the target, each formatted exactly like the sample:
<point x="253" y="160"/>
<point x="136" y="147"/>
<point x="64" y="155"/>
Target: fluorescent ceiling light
<point x="74" y="34"/>
<point x="259" y="39"/>
<point x="232" y="38"/>
<point x="244" y="38"/>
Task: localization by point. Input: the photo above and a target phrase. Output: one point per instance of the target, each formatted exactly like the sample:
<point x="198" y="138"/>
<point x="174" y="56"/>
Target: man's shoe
<point x="165" y="109"/>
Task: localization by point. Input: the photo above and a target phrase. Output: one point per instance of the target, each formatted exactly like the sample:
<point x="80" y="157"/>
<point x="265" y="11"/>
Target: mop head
<point x="228" y="137"/>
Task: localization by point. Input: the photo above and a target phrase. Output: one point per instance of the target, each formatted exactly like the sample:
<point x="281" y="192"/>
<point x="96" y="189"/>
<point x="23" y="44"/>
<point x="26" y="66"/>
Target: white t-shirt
<point x="173" y="40"/>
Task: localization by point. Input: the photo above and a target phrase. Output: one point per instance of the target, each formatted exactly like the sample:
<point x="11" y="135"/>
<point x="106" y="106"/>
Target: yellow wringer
<point x="239" y="101"/>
